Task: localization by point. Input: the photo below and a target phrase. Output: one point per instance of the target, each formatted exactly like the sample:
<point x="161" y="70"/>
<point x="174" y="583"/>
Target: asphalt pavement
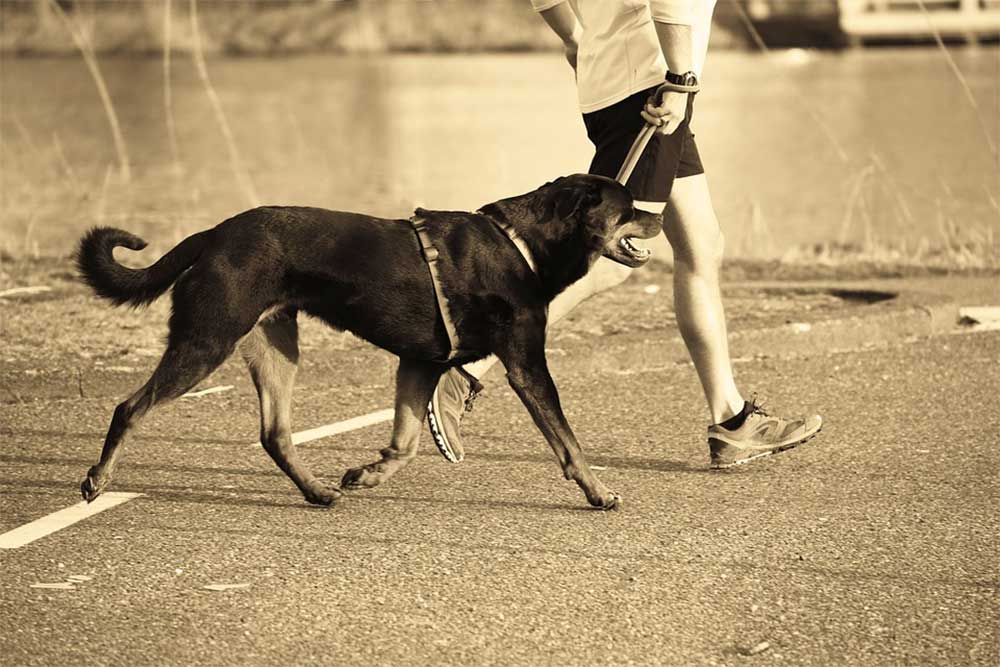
<point x="875" y="543"/>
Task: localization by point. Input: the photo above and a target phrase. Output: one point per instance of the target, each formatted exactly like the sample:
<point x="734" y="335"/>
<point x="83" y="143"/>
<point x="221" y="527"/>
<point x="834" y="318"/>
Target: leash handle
<point x="642" y="140"/>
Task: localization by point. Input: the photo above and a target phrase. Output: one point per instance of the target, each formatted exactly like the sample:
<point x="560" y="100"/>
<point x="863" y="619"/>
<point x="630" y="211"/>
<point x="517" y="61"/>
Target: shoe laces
<point x="757" y="406"/>
<point x="475" y="388"/>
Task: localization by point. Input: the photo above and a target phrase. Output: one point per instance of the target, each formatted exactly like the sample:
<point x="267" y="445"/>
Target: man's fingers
<point x="654" y="110"/>
<point x="651" y="119"/>
<point x="670" y="126"/>
<point x="665" y="124"/>
<point x="668" y="114"/>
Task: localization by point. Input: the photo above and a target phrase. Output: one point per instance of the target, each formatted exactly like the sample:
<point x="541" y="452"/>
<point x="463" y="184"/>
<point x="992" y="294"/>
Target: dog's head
<point x="602" y="211"/>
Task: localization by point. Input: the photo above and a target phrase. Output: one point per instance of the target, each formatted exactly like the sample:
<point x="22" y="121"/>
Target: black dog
<point x="243" y="282"/>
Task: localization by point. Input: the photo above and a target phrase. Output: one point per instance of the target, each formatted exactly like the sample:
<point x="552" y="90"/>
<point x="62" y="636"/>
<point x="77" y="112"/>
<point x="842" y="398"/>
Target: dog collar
<point x="515" y="238"/>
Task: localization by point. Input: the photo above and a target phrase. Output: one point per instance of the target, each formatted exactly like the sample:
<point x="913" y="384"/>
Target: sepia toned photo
<point x="499" y="332"/>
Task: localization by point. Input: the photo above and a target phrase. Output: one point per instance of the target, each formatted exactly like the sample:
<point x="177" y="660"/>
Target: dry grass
<point x="81" y="39"/>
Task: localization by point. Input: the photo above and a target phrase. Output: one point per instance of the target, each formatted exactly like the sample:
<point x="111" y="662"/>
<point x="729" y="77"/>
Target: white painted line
<point x="62" y="585"/>
<point x="210" y="390"/>
<point x="17" y="291"/>
<point x="352" y="424"/>
<point x="47" y="525"/>
<point x="225" y="587"/>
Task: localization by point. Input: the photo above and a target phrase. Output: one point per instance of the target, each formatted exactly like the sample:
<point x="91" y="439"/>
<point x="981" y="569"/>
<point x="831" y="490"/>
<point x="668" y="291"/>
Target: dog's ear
<point x="576" y="198"/>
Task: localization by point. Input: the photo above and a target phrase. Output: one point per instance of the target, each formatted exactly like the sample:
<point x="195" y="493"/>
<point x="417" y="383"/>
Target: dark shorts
<point x="612" y="131"/>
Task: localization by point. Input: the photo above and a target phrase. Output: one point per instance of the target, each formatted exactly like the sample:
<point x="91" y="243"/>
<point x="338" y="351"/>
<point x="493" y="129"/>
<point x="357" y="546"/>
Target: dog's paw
<point x="364" y="477"/>
<point x="324" y="497"/>
<point x="606" y="501"/>
<point x="93" y="486"/>
<point x="613" y="502"/>
<point x="359" y="478"/>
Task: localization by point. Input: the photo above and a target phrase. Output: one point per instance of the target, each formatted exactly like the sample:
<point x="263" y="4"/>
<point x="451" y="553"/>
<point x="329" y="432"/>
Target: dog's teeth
<point x="627" y="244"/>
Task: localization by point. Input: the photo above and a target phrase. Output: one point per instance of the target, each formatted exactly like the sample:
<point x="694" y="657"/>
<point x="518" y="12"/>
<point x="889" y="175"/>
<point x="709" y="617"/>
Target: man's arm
<point x="672" y="19"/>
<point x="675" y="42"/>
<point x="560" y="17"/>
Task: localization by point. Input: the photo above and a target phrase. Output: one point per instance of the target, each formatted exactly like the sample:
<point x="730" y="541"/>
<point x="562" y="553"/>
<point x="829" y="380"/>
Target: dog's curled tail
<point x="136" y="287"/>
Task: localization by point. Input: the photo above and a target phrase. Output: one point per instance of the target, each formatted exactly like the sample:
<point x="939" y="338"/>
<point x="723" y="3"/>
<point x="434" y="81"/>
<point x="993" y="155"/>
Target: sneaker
<point x="452" y="398"/>
<point x="759" y="435"/>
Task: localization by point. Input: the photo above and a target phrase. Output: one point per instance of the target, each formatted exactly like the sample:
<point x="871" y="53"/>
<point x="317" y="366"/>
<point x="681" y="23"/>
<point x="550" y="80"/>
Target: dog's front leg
<point x="529" y="376"/>
<point x="415" y="382"/>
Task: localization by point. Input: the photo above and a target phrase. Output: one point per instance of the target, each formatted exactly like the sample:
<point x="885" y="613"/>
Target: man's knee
<point x="703" y="252"/>
<point x="692" y="228"/>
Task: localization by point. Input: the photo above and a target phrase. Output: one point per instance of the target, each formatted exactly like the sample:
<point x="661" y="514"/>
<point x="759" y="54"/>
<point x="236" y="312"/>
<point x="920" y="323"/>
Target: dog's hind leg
<point x="271" y="351"/>
<point x="186" y="362"/>
<point x="415" y="383"/>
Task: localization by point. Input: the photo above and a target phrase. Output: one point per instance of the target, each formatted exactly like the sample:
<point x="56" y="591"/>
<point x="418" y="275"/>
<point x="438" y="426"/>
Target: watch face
<point x="686" y="79"/>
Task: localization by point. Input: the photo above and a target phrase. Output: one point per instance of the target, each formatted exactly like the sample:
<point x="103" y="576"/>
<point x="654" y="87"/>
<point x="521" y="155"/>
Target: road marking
<point x="49" y="524"/>
<point x="205" y="392"/>
<point x="352" y="424"/>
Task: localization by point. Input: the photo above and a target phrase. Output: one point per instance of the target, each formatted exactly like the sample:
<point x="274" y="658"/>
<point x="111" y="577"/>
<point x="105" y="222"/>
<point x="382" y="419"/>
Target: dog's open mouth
<point x="624" y="246"/>
<point x="638" y="253"/>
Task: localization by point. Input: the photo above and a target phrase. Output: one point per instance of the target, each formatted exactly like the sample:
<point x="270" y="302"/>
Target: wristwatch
<point x="687" y="79"/>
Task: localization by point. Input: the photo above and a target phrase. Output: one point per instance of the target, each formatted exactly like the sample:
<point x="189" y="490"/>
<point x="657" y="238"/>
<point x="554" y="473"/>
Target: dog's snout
<point x="649" y="221"/>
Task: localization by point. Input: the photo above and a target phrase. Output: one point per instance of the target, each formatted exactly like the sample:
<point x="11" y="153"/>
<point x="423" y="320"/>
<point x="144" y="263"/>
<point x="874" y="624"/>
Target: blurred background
<point x="831" y="130"/>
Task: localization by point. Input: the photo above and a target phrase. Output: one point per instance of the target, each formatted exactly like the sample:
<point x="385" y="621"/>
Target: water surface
<point x="800" y="147"/>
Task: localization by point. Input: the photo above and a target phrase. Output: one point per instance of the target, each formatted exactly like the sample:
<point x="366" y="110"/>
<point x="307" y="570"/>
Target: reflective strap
<point x="430" y="254"/>
<point x="515" y="238"/>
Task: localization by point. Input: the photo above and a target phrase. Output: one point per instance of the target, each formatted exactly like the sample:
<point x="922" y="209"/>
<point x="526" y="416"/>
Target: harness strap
<point x="507" y="228"/>
<point x="430" y="254"/>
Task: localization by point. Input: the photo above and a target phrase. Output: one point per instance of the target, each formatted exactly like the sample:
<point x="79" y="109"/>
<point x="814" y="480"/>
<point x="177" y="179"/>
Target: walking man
<point x="621" y="52"/>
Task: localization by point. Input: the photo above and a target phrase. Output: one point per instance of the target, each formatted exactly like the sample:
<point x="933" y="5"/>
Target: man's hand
<point x="669" y="114"/>
<point x="571" y="48"/>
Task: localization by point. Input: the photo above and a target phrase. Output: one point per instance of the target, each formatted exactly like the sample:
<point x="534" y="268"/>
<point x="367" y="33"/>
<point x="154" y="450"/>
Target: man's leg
<point x="741" y="431"/>
<point x="693" y="231"/>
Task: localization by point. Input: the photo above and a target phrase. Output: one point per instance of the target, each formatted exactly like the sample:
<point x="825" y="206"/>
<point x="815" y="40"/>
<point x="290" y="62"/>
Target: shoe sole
<point x="769" y="452"/>
<point x="437" y="435"/>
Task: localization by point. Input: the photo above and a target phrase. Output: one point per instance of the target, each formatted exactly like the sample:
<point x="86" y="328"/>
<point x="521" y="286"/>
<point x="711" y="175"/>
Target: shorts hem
<point x="637" y="87"/>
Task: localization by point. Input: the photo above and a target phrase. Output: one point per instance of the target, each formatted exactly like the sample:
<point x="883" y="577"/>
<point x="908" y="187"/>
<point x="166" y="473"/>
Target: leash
<point x="430" y="253"/>
<point x="646" y="133"/>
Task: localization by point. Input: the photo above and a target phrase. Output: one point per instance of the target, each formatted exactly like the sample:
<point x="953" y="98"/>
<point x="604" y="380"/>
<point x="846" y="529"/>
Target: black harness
<point x="430" y="255"/>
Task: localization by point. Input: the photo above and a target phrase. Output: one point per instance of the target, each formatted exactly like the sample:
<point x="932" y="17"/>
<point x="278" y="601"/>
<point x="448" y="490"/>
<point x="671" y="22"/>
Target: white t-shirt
<point x="619" y="51"/>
